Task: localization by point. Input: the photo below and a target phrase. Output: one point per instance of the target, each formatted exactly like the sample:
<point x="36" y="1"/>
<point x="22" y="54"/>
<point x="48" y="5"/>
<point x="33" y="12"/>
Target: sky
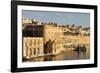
<point x="64" y="18"/>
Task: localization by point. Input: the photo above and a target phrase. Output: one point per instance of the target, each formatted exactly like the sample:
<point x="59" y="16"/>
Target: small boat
<point x="80" y="49"/>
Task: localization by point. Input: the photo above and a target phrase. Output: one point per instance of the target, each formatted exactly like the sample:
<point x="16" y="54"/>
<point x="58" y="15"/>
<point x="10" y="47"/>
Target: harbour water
<point x="67" y="55"/>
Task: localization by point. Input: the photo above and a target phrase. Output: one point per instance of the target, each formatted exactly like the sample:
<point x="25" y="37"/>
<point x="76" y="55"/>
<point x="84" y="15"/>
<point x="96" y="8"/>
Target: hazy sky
<point x="59" y="17"/>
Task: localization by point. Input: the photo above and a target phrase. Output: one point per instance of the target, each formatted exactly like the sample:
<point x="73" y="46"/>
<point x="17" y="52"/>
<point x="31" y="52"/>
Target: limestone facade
<point x="40" y="40"/>
<point x="32" y="47"/>
<point x="54" y="35"/>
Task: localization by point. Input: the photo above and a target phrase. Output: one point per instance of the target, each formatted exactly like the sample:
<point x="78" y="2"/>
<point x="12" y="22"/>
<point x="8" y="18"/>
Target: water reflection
<point x="68" y="55"/>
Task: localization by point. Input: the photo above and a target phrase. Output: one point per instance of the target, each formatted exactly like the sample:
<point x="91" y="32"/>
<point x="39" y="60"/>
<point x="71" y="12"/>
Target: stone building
<point x="33" y="41"/>
<point x="53" y="39"/>
<point x="40" y="40"/>
<point x="26" y="20"/>
<point x="32" y="47"/>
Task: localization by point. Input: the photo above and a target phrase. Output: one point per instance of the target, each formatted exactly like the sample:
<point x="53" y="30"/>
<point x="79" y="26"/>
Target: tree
<point x="34" y="21"/>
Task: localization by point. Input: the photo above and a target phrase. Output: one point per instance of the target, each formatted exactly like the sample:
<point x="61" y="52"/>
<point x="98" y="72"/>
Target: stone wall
<point x="54" y="34"/>
<point x="73" y="41"/>
<point x="32" y="47"/>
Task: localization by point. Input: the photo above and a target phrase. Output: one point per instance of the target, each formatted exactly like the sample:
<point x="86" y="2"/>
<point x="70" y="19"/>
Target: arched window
<point x="34" y="41"/>
<point x="55" y="50"/>
<point x="38" y="50"/>
<point x="38" y="41"/>
<point x="34" y="51"/>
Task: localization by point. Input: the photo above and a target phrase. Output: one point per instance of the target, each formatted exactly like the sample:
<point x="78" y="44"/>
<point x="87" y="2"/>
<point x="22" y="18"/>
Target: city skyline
<point x="64" y="18"/>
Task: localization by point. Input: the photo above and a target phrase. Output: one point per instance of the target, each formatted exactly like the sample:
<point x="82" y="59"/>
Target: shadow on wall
<point x="48" y="46"/>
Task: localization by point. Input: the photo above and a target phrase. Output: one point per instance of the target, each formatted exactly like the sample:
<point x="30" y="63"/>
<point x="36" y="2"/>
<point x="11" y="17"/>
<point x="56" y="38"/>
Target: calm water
<point x="68" y="55"/>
